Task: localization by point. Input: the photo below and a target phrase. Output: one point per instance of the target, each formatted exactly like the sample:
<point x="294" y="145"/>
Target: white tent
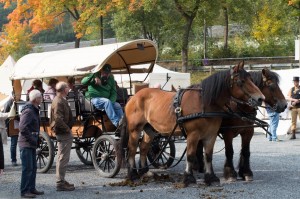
<point x="6" y="70"/>
<point x="6" y="85"/>
<point x="166" y="78"/>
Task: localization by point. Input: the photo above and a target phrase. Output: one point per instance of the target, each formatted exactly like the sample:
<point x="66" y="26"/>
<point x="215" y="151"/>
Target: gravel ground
<point x="275" y="166"/>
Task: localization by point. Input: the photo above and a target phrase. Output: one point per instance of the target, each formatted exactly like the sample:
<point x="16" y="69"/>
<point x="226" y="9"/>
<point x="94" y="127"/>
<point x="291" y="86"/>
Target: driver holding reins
<point x="103" y="94"/>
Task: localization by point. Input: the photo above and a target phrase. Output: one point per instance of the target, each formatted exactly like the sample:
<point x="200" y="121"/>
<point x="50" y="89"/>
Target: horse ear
<point x="173" y="89"/>
<point x="265" y="73"/>
<point x="241" y="65"/>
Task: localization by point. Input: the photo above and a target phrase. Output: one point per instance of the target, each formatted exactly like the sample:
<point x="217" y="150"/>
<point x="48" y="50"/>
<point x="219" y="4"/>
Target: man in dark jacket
<point x="29" y="128"/>
<point x="61" y="122"/>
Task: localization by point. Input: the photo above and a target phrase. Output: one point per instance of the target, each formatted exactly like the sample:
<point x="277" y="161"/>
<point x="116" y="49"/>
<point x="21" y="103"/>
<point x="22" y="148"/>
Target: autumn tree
<point x="270" y="22"/>
<point x="16" y="37"/>
<point x="45" y="14"/>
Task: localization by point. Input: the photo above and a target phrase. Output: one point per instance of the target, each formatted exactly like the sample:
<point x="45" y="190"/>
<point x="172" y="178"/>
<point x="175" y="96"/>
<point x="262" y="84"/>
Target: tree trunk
<point x="77" y="42"/>
<point x="185" y="44"/>
<point x="101" y="30"/>
<point x="205" y="41"/>
<point x="226" y="28"/>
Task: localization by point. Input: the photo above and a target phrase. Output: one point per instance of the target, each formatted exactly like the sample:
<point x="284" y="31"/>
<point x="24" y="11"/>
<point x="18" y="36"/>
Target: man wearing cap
<point x="294" y="98"/>
<point x="103" y="94"/>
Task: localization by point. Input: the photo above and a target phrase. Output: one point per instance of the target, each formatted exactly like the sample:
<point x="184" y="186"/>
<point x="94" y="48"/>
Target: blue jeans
<point x="113" y="110"/>
<point x="274" y="120"/>
<point x="29" y="167"/>
<point x="13" y="148"/>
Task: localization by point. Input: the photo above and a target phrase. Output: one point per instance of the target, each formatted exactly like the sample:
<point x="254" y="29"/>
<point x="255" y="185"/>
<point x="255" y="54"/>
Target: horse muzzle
<point x="280" y="106"/>
<point x="256" y="101"/>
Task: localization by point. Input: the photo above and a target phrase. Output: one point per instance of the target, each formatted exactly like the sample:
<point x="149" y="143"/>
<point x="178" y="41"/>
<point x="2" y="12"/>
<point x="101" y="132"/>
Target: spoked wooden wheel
<point x="84" y="150"/>
<point x="44" y="153"/>
<point x="162" y="159"/>
<point x="105" y="156"/>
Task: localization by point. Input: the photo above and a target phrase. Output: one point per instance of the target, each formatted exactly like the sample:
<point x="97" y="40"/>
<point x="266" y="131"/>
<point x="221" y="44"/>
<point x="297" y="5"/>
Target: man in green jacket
<point x="103" y="94"/>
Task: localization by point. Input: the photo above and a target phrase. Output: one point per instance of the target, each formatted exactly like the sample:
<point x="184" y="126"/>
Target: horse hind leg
<point x="132" y="173"/>
<point x="245" y="171"/>
<point x="144" y="148"/>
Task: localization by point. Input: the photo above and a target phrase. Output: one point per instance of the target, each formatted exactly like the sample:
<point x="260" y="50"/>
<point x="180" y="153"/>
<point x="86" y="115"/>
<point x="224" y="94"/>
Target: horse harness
<point x="245" y="116"/>
<point x="181" y="119"/>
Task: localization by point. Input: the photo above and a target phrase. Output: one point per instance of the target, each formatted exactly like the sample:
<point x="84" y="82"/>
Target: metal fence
<point x="251" y="63"/>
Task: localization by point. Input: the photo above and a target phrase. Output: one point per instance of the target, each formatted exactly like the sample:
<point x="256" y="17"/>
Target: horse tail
<point x="123" y="142"/>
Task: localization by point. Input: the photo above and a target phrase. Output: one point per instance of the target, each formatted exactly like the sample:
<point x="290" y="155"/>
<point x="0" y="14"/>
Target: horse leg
<point x="244" y="164"/>
<point x="144" y="148"/>
<point x="199" y="162"/>
<point x="209" y="177"/>
<point x="132" y="148"/>
<point x="229" y="172"/>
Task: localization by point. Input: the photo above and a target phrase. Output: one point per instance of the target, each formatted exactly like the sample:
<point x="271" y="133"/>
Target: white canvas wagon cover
<point x="80" y="61"/>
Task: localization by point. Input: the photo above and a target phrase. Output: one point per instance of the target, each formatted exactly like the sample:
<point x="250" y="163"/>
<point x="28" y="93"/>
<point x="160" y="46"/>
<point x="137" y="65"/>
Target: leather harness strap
<point x="181" y="119"/>
<point x="250" y="117"/>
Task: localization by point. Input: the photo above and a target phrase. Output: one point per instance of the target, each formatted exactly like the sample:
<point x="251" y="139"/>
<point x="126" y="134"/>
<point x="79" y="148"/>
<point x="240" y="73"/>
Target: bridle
<point x="240" y="83"/>
<point x="271" y="86"/>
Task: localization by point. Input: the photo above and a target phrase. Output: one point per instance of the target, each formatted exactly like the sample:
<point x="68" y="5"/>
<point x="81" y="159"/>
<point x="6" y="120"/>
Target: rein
<point x="248" y="117"/>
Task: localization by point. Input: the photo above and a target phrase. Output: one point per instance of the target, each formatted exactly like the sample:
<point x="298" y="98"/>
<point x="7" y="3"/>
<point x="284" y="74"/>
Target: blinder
<point x="239" y="82"/>
<point x="272" y="86"/>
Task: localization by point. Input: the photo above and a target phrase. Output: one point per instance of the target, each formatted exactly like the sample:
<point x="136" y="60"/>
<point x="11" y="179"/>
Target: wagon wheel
<point x="166" y="158"/>
<point x="44" y="153"/>
<point x="105" y="156"/>
<point x="84" y="150"/>
<point x="85" y="144"/>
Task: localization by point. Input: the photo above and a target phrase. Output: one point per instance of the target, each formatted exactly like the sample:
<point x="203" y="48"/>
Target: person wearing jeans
<point x="274" y="120"/>
<point x="14" y="138"/>
<point x="13" y="150"/>
<point x="103" y="94"/>
<point x="29" y="128"/>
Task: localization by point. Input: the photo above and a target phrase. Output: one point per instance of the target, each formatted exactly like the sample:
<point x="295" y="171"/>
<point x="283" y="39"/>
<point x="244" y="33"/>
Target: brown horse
<point x="154" y="108"/>
<point x="267" y="81"/>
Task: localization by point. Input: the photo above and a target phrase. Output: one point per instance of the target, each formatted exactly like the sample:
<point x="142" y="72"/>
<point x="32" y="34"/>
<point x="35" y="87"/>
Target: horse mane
<point x="257" y="77"/>
<point x="212" y="86"/>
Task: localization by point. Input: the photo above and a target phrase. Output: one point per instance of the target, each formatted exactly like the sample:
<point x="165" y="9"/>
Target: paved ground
<point x="275" y="166"/>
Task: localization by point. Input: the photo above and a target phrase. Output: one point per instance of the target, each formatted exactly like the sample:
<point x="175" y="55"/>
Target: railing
<point x="251" y="63"/>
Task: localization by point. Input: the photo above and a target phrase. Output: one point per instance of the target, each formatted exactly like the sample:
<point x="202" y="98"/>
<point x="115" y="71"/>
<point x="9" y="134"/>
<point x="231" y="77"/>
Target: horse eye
<point x="240" y="82"/>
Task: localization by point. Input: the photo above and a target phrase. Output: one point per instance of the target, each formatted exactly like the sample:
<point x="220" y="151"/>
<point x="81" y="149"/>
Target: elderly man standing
<point x="61" y="122"/>
<point x="29" y="129"/>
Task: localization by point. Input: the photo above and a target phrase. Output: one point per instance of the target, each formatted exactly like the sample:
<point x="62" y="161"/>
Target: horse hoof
<point x="148" y="174"/>
<point x="231" y="179"/>
<point x="248" y="178"/>
<point x="188" y="179"/>
<point x="133" y="175"/>
<point x="215" y="183"/>
<point x="211" y="179"/>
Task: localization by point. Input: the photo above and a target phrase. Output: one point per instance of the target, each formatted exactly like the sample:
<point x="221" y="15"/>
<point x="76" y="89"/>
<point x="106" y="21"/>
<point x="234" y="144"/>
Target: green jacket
<point x="94" y="90"/>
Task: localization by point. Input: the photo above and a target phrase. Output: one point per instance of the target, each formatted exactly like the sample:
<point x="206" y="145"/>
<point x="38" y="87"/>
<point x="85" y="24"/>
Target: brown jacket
<point x="61" y="119"/>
